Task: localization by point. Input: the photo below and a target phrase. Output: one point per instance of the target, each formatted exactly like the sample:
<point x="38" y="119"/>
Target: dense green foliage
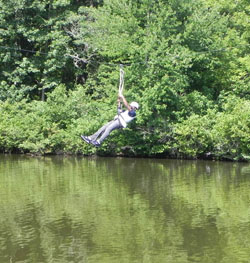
<point x="186" y="62"/>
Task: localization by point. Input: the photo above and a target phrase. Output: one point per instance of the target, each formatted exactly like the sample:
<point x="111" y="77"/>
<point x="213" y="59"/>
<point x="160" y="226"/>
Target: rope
<point x="121" y="85"/>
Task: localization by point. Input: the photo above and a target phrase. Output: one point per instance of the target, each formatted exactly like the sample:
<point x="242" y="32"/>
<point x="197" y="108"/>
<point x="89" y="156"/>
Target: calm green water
<point x="109" y="210"/>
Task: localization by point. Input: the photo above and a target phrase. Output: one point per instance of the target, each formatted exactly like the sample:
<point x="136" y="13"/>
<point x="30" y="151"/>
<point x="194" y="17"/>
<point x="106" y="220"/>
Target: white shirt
<point x="125" y="118"/>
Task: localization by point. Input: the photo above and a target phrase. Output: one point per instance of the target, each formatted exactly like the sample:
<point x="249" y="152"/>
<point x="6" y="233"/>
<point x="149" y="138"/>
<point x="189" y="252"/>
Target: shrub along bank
<point x="55" y="126"/>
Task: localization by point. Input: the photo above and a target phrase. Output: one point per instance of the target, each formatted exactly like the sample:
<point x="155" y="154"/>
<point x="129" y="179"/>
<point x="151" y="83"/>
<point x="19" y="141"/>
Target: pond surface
<point x="55" y="209"/>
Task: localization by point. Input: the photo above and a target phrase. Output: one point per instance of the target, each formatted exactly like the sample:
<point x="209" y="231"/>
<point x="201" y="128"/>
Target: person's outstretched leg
<point x="115" y="124"/>
<point x="94" y="136"/>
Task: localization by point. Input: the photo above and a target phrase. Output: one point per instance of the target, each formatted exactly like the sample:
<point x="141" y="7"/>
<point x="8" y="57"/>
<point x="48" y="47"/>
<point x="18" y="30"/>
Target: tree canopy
<point x="186" y="62"/>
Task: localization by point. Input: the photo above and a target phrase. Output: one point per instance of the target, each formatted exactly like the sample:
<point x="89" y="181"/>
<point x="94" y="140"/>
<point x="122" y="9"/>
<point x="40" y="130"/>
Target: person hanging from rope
<point x="120" y="121"/>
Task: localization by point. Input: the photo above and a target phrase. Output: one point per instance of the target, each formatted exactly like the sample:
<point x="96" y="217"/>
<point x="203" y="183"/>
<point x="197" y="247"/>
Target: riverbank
<point x="208" y="157"/>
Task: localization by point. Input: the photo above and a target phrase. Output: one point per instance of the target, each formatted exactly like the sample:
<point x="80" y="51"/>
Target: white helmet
<point x="134" y="104"/>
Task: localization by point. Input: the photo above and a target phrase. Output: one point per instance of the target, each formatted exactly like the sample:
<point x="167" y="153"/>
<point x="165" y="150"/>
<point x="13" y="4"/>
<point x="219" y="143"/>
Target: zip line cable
<point x="126" y="63"/>
<point x="23" y="50"/>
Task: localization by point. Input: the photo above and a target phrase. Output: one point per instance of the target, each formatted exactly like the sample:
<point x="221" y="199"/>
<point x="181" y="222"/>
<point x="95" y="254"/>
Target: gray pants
<point x="105" y="130"/>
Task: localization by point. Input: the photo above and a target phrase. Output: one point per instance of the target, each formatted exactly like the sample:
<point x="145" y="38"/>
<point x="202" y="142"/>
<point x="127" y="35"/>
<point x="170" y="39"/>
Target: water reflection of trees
<point x="123" y="210"/>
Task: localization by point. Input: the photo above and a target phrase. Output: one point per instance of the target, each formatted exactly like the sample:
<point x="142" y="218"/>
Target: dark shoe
<point x="86" y="139"/>
<point x="96" y="143"/>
